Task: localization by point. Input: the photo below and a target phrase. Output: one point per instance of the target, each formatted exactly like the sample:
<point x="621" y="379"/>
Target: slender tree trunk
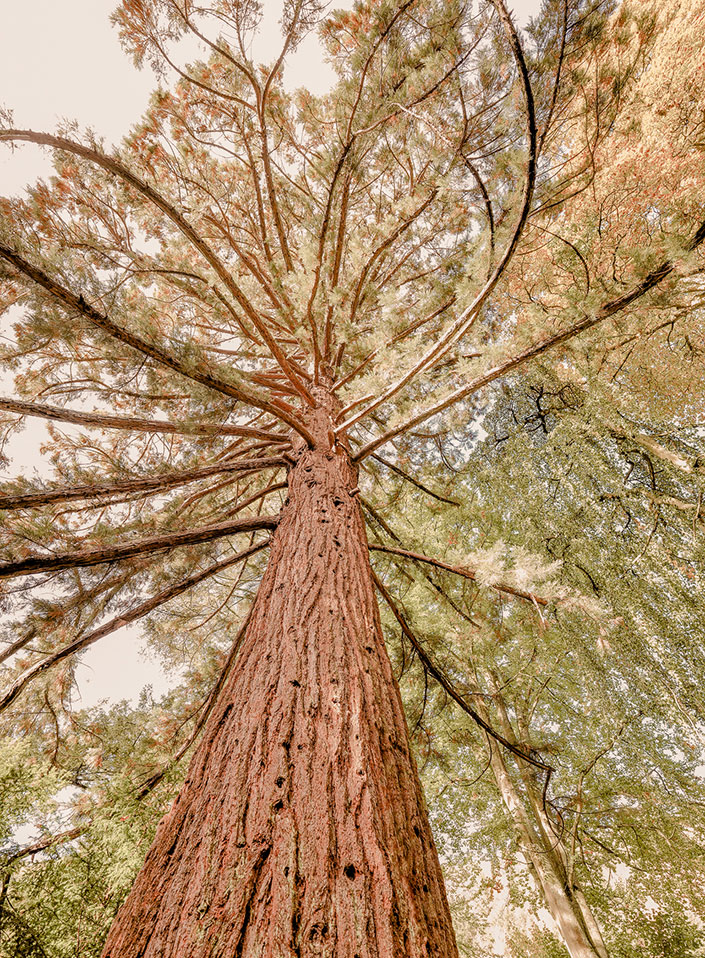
<point x="545" y="853"/>
<point x="562" y="907"/>
<point x="566" y="893"/>
<point x="301" y="829"/>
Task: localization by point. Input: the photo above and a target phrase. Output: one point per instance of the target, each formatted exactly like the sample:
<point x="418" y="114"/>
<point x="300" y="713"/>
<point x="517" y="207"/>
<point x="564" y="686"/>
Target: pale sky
<point x="61" y="60"/>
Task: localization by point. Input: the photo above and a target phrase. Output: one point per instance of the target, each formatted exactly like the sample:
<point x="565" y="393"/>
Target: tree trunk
<point x="301" y="828"/>
<point x="544" y="852"/>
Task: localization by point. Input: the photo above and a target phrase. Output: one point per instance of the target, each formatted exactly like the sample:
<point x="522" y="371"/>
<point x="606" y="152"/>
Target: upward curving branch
<point x="608" y="309"/>
<point x="79" y="305"/>
<point x="116" y="168"/>
<point x="467" y="317"/>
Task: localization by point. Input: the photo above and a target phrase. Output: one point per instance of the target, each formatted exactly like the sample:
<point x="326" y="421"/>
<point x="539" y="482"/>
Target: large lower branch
<point x="125" y="618"/>
<point x="170" y="540"/>
<point x="78" y="305"/>
<point x="102" y="420"/>
<point x="145" y="484"/>
<point x="450" y="689"/>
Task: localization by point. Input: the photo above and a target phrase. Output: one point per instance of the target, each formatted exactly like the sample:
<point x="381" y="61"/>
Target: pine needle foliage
<point x="486" y="242"/>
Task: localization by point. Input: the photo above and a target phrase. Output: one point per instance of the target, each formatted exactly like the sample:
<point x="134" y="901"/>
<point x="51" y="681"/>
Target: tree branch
<point x="414" y="482"/>
<point x="116" y="168"/>
<point x="427" y="575"/>
<point x="465" y="573"/>
<point x="608" y="309"/>
<point x="171" y="540"/>
<point x="450" y="689"/>
<point x="136" y="612"/>
<point x="79" y="305"/>
<point x="59" y="610"/>
<point x="156" y="484"/>
<point x="101" y="420"/>
<point x="46" y="842"/>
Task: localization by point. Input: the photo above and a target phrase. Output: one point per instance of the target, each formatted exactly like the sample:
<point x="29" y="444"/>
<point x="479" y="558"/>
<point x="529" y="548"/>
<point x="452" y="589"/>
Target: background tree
<point x="275" y="313"/>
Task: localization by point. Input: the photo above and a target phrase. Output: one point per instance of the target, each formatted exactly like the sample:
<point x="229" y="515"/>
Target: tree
<point x="604" y="703"/>
<point x="264" y="290"/>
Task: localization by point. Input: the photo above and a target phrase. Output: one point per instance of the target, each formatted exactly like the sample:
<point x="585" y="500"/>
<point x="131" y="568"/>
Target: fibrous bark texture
<point x="301" y="828"/>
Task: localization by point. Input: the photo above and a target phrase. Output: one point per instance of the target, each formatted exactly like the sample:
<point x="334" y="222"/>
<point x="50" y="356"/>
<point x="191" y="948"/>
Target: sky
<point x="61" y="60"/>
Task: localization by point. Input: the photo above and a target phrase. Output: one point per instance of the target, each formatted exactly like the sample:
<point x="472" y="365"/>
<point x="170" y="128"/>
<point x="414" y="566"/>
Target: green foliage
<point x="64" y="897"/>
<point x="568" y="499"/>
<point x="604" y="690"/>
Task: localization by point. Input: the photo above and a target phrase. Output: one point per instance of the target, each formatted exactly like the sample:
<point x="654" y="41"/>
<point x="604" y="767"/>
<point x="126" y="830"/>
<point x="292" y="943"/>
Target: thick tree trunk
<point x="301" y="828"/>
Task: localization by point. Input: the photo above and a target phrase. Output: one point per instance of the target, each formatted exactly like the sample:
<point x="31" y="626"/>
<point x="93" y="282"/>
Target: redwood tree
<point x="256" y="301"/>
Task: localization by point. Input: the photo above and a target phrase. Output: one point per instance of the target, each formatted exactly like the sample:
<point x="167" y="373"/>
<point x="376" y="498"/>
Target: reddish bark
<point x="301" y="828"/>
